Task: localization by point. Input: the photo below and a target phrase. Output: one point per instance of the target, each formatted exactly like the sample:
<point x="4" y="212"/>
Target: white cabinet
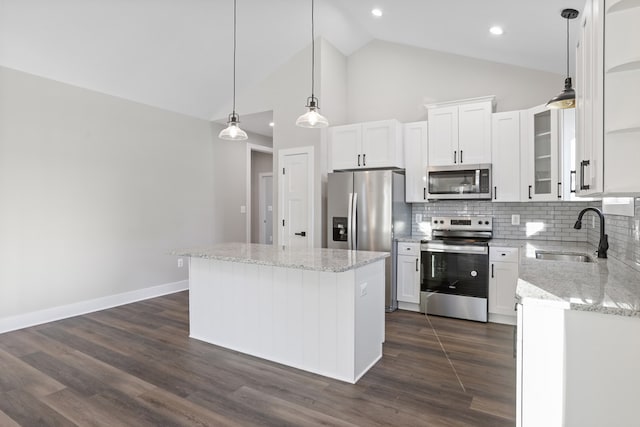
<point x="366" y="145"/>
<point x="503" y="279"/>
<point x="505" y="156"/>
<point x="408" y="276"/>
<point x="608" y="99"/>
<point x="575" y="368"/>
<point x="460" y="132"/>
<point x="415" y="160"/>
<point x="540" y="156"/>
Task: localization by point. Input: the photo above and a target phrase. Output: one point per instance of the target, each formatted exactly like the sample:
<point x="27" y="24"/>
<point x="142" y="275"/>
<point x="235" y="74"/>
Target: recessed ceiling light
<point x="376" y="12"/>
<point x="271" y="124"/>
<point x="496" y="30"/>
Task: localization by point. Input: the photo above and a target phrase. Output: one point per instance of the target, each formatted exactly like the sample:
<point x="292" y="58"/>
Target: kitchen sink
<point x="563" y="256"/>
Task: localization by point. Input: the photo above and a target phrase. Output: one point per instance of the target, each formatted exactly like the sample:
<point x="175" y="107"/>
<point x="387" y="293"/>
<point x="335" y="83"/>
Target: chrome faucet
<point x="603" y="244"/>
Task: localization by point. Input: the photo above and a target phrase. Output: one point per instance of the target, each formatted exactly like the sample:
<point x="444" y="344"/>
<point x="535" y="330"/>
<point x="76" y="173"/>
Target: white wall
<point x="94" y="192"/>
<point x="389" y="80"/>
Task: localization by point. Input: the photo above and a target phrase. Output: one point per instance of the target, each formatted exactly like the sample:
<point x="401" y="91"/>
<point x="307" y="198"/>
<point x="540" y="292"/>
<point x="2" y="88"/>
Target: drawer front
<point x="407" y="248"/>
<point x="503" y="254"/>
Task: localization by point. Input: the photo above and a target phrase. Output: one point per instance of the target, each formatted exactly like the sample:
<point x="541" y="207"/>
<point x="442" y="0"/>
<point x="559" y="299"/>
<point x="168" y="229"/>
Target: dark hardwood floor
<point x="135" y="365"/>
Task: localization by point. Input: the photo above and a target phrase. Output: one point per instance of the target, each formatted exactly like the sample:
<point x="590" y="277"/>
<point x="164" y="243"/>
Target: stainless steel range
<point x="455" y="267"/>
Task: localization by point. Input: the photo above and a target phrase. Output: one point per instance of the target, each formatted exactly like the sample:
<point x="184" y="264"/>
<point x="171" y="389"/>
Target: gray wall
<point x="389" y="80"/>
<point x="94" y="192"/>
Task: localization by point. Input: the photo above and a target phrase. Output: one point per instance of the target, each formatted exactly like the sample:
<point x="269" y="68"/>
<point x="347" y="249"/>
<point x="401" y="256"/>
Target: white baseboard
<point x="501" y="318"/>
<point x="39" y="317"/>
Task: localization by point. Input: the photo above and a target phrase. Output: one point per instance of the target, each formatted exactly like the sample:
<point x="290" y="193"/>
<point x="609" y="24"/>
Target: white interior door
<point x="266" y="208"/>
<point x="296" y="195"/>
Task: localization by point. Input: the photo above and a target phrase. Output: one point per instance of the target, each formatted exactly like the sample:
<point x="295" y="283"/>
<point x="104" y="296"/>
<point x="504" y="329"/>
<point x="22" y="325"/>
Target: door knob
<point x="302" y="233"/>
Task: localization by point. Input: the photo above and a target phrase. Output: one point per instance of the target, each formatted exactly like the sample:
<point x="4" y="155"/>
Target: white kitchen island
<point x="320" y="310"/>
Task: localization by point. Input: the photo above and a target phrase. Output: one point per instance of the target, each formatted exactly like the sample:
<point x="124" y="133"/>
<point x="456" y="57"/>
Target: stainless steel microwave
<point x="459" y="182"/>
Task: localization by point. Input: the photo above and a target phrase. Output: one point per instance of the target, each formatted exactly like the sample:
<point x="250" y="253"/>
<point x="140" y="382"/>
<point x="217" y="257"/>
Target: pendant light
<point x="233" y="132"/>
<point x="567" y="98"/>
<point x="312" y="118"/>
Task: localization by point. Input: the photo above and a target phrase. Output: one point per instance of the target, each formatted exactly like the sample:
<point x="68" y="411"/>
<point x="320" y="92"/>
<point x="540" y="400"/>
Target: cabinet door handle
<point x="358" y="159"/>
<point x="495" y="193"/>
<point x="455" y="156"/>
<point x="559" y="190"/>
<point x="364" y="160"/>
<point x="417" y="261"/>
<point x="530" y="193"/>
<point x="583" y="164"/>
<point x="424" y="193"/>
<point x="492" y="275"/>
<point x="302" y="233"/>
<point x="461" y="157"/>
<point x="572" y="181"/>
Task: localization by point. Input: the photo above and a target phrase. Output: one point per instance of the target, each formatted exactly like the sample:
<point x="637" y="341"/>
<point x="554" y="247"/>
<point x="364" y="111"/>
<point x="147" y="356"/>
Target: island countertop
<point x="606" y="286"/>
<point x="316" y="259"/>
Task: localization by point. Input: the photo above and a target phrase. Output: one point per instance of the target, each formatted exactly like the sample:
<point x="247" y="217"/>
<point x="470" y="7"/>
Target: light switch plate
<point x="418" y="217"/>
<point x="243" y="209"/>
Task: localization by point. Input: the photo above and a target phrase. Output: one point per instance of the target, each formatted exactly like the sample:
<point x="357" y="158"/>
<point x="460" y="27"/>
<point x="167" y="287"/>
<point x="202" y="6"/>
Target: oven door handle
<point x="480" y="250"/>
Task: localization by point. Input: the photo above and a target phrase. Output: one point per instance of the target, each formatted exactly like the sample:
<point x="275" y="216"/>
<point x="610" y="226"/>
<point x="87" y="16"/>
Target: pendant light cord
<point x="567" y="47"/>
<point x="234" y="58"/>
<point x="313" y="54"/>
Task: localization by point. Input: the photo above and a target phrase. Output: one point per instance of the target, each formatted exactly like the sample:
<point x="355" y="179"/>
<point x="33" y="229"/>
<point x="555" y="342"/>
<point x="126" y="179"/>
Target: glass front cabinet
<point x="541" y="157"/>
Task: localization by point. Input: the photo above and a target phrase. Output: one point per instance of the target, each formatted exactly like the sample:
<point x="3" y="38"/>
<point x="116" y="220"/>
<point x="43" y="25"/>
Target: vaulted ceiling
<point x="176" y="54"/>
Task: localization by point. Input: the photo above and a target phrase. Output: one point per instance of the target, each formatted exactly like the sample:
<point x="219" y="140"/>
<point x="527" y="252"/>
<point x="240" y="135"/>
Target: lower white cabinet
<point x="503" y="279"/>
<point x="575" y="368"/>
<point x="408" y="276"/>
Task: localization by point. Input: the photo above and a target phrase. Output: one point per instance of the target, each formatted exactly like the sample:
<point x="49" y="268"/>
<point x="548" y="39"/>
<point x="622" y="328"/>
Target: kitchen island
<point x="319" y="310"/>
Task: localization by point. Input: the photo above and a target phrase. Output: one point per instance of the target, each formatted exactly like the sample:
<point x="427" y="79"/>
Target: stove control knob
<point x="441" y="221"/>
<point x="486" y="222"/>
<point x="480" y="222"/>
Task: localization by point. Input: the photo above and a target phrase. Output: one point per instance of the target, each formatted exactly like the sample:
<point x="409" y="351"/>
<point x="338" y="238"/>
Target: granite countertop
<point x="317" y="259"/>
<point x="606" y="286"/>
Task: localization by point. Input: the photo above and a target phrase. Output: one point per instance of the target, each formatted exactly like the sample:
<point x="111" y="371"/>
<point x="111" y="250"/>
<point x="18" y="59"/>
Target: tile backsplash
<point x="543" y="221"/>
<point x="538" y="220"/>
<point x="624" y="235"/>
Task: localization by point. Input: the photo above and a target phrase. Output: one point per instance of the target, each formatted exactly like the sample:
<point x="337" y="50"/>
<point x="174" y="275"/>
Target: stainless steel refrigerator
<point x="366" y="210"/>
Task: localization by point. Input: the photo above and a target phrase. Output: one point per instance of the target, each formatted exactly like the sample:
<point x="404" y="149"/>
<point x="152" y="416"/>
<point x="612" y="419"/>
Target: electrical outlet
<point x="180" y="263"/>
<point x="363" y="289"/>
<point x="418" y="217"/>
<point x="243" y="209"/>
<point x="593" y="221"/>
<point x="515" y="219"/>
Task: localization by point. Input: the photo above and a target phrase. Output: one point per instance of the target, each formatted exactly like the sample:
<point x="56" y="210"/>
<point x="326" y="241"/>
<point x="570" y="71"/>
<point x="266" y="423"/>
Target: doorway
<point x="260" y="195"/>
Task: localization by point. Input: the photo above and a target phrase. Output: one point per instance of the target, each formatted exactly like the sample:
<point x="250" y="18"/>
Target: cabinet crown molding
<point x="489" y="98"/>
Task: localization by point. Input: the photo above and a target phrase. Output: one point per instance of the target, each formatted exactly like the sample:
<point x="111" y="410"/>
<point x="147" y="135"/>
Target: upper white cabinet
<point x="505" y="156"/>
<point x="608" y="99"/>
<point x="540" y="156"/>
<point x="460" y="132"/>
<point x="366" y="145"/>
<point x="415" y="160"/>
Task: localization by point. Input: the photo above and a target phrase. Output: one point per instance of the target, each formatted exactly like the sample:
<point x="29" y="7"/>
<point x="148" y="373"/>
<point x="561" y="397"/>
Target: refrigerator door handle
<point x="354" y="222"/>
<point x="349" y="223"/>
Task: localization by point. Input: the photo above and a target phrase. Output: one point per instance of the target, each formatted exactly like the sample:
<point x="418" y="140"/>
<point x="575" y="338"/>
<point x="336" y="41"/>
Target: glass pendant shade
<point x="566" y="99"/>
<point x="233" y="132"/>
<point x="312" y="118"/>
